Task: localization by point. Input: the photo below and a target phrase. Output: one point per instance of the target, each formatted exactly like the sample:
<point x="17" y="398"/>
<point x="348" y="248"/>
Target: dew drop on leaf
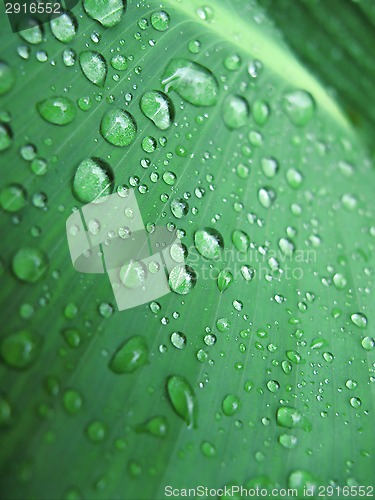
<point x="235" y="111"/>
<point x="7" y="77"/>
<point x="299" y="106"/>
<point x="92" y="179"/>
<point x="30" y="264"/>
<point x="130" y="356"/>
<point x="266" y="196"/>
<point x="156" y="426"/>
<point x="193" y="82"/>
<point x="5" y="412"/>
<point x="64" y="27"/>
<point x="96" y="431"/>
<point x="93" y="66"/>
<point x="6" y="136"/>
<point x="182" y="279"/>
<point x="209" y="243"/>
<point x="158" y="108"/>
<point x="160" y="20"/>
<point x="57" y="110"/>
<point x="182" y="398"/>
<point x="270" y="167"/>
<point x="20" y="349"/>
<point x="33" y="33"/>
<point x="291" y="418"/>
<point x="72" y="401"/>
<point x="179" y="208"/>
<point x="260" y="111"/>
<point x="178" y="340"/>
<point x="224" y="280"/>
<point x="118" y="127"/>
<point x="231" y="405"/>
<point x="107" y="12"/>
<point x="359" y="320"/>
<point x="12" y="198"/>
<point x="240" y="241"/>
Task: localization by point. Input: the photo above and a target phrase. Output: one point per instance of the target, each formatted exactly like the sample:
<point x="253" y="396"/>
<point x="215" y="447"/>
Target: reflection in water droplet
<point x="64" y="27"/>
<point x="57" y="110"/>
<point x="182" y="279"/>
<point x="160" y="20"/>
<point x="158" y="108"/>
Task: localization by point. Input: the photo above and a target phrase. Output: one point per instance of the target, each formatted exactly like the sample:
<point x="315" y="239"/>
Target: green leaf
<point x="257" y="369"/>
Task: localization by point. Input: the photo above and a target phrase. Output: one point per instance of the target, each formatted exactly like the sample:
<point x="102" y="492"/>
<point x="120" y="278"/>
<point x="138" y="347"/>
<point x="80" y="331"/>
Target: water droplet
<point x="261" y="112"/>
<point x="30" y="264"/>
<point x="156" y="426"/>
<point x="5" y="412"/>
<point x="299" y="105"/>
<point x="302" y="481"/>
<point x="64" y="27"/>
<point x="119" y="62"/>
<point x="179" y="208"/>
<point x="72" y="401"/>
<point x="288" y="441"/>
<point x="33" y="33"/>
<point x="368" y="343"/>
<point x="130" y="356"/>
<point x="182" y="398"/>
<point x="291" y="418"/>
<point x="224" y="279"/>
<point x="178" y="339"/>
<point x="107" y="12"/>
<point x="92" y="179"/>
<point x="355" y="402"/>
<point x="20" y="349"/>
<point x="57" y="110"/>
<point x="294" y="357"/>
<point x="266" y="197"/>
<point x="160" y="20"/>
<point x="231" y="405"/>
<point x="93" y="66"/>
<point x="232" y="62"/>
<point x="351" y="384"/>
<point x="72" y="337"/>
<point x="286" y="246"/>
<point x="273" y="385"/>
<point x="209" y="243"/>
<point x="133" y="274"/>
<point x="294" y="178"/>
<point x="182" y="279"/>
<point x="5" y="136"/>
<point x="69" y="57"/>
<point x="12" y="198"/>
<point x="7" y="77"/>
<point x="169" y="178"/>
<point x="208" y="449"/>
<point x="359" y="320"/>
<point x="158" y="108"/>
<point x="339" y="281"/>
<point x="118" y="127"/>
<point x="193" y="82"/>
<point x="240" y="240"/>
<point x="96" y="431"/>
<point x="235" y="111"/>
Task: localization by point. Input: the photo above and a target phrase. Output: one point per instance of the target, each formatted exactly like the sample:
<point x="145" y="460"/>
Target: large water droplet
<point x="33" y="33"/>
<point x="20" y="349"/>
<point x="299" y="105"/>
<point x="133" y="274"/>
<point x="130" y="356"/>
<point x="291" y="418"/>
<point x="64" y="27"/>
<point x="57" y="110"/>
<point x="182" y="398"/>
<point x="235" y="111"/>
<point x="118" y="127"/>
<point x="158" y="108"/>
<point x="12" y="198"/>
<point x="193" y="82"/>
<point x="7" y="77"/>
<point x="107" y="12"/>
<point x="182" y="279"/>
<point x="209" y="243"/>
<point x="93" y="179"/>
<point x="359" y="320"/>
<point x="30" y="264"/>
<point x="94" y="67"/>
<point x="160" y="20"/>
